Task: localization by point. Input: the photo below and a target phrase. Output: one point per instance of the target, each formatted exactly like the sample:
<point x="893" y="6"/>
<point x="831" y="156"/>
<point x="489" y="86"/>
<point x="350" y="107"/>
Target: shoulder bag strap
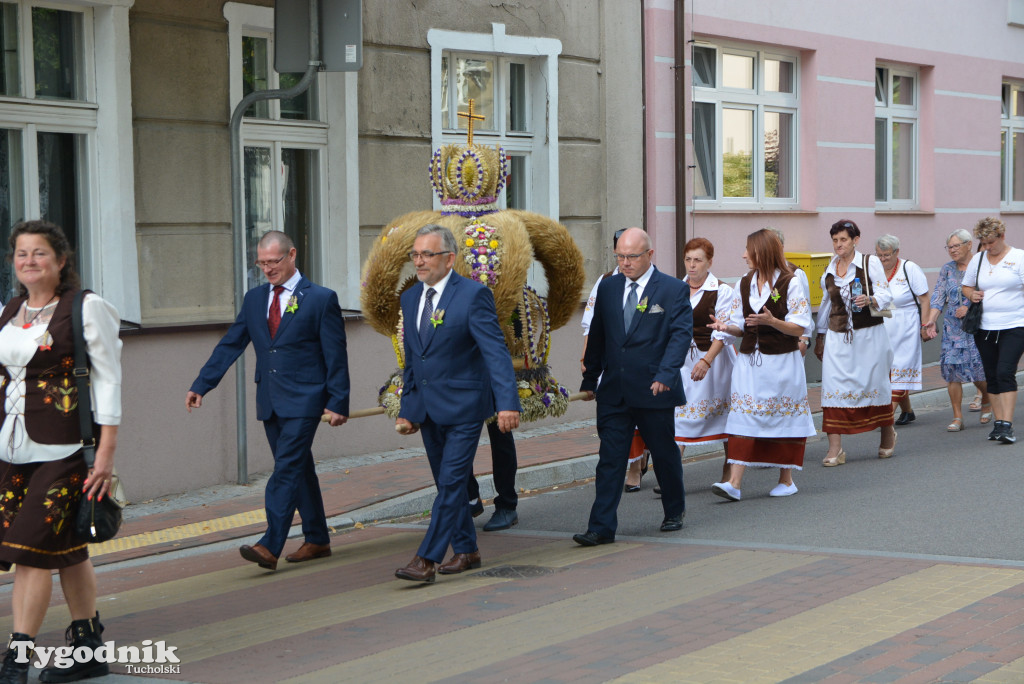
<point x="913" y="295"/>
<point x="867" y="277"/>
<point x="81" y="372"/>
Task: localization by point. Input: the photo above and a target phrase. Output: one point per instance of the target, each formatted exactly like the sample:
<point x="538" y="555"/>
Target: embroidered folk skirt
<point x="856" y="395"/>
<point x="38" y="503"/>
<point x="702" y="419"/>
<point x="904" y="329"/>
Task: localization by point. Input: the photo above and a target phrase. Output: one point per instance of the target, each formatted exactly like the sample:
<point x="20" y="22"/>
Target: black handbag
<point x="95" y="521"/>
<point x="972" y="319"/>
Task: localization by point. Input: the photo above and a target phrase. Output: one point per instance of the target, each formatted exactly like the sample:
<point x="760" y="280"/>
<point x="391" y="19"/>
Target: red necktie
<point x="274" y="317"/>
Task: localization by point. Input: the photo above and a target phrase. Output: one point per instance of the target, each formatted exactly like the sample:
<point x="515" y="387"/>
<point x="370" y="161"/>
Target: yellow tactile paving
<point x="1011" y="673"/>
<point x="451" y="654"/>
<point x="818" y="636"/>
<point x="257" y="628"/>
<point x="179" y="532"/>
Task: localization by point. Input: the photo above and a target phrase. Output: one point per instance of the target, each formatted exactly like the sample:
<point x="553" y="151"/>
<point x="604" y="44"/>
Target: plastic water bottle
<point x="856" y="290"/>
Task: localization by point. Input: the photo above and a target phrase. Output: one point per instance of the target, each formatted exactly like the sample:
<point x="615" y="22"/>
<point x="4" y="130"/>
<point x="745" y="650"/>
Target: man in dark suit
<point x="639" y="337"/>
<point x="458" y="372"/>
<point x="298" y="334"/>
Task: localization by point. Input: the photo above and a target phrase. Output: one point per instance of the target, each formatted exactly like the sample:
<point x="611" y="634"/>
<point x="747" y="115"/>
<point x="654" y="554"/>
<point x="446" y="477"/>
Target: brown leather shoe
<point x="418" y="570"/>
<point x="309" y="552"/>
<point x="259" y="555"/>
<point x="460" y="562"/>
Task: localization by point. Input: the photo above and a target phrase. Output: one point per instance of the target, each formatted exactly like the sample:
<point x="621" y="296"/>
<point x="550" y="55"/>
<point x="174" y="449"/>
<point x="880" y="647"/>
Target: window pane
<point x="1017" y="172"/>
<point x="738" y="72"/>
<point x="903" y="90"/>
<point x="11" y="193"/>
<point x="300" y="106"/>
<point x="881" y="165"/>
<point x="737" y="152"/>
<point x="704" y="67"/>
<point x="1018" y="102"/>
<point x="902" y="161"/>
<point x="515" y="193"/>
<point x="60" y="178"/>
<point x="10" y="69"/>
<point x="259" y="203"/>
<point x="517" y="119"/>
<point x="255" y="73"/>
<point x="299" y="174"/>
<point x="881" y="86"/>
<point x="56" y="37"/>
<point x="778" y="76"/>
<point x="445" y="123"/>
<point x="703" y="150"/>
<point x="1002" y="166"/>
<point x="1007" y="90"/>
<point x="778" y="154"/>
<point x="474" y="80"/>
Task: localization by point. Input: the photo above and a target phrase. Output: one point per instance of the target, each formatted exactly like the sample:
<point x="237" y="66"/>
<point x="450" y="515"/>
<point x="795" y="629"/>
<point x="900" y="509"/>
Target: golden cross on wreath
<point x="470" y="118"/>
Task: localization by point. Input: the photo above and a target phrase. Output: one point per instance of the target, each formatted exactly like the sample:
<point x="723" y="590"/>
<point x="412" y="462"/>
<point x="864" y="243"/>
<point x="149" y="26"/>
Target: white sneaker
<point x="783" y="490"/>
<point x="726" y="491"/>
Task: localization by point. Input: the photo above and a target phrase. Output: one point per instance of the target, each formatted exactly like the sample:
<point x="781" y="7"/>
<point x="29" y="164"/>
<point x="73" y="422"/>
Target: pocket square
<point x="656" y="309"/>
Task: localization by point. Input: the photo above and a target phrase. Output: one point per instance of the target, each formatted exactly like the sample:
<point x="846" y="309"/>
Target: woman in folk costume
<point x="707" y="372"/>
<point x="854" y="348"/>
<point x="769" y="419"/>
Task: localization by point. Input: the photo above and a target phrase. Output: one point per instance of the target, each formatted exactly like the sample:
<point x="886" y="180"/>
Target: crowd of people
<point x="669" y="362"/>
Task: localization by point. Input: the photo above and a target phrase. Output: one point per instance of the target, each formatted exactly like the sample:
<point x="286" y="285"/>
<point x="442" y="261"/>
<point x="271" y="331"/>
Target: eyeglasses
<point x="413" y="256"/>
<point x="629" y="257"/>
<point x="883" y="255"/>
<point x="270" y="263"/>
<point x="958" y="245"/>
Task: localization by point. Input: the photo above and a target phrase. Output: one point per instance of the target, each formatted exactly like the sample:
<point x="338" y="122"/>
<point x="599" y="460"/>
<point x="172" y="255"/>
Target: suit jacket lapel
<point x="286" y="318"/>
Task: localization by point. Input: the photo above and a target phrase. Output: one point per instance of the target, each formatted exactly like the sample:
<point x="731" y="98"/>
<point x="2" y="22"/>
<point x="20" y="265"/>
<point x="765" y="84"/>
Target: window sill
<point x="1011" y="212"/>
<point x="903" y="212"/>
<point x="800" y="212"/>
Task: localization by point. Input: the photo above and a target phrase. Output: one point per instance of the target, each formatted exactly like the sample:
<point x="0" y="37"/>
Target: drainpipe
<point x="238" y="219"/>
<point x="680" y="153"/>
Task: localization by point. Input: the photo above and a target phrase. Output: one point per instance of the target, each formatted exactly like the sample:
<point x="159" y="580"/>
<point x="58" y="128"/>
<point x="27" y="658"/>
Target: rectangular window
<point x="12" y="209"/>
<point x="744" y="128"/>
<point x="258" y="74"/>
<point x="896" y="126"/>
<point x="1011" y="191"/>
<point x="60" y="181"/>
<point x="56" y="48"/>
<point x="10" y="65"/>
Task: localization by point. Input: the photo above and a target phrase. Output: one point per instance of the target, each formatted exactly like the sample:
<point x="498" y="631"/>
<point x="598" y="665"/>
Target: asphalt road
<point x="945" y="494"/>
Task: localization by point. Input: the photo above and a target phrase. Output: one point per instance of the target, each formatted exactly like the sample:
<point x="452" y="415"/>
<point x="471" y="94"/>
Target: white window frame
<point x="1010" y="125"/>
<point x="760" y="101"/>
<point x="899" y="113"/>
<point x="541" y="144"/>
<point x="334" y="135"/>
<point x="106" y="241"/>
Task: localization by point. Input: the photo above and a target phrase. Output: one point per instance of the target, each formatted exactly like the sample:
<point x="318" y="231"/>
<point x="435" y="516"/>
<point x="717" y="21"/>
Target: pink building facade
<point x="907" y="118"/>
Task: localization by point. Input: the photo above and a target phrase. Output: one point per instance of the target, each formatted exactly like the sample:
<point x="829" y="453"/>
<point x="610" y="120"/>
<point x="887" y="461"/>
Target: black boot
<point x="89" y="633"/>
<point x="12" y="671"/>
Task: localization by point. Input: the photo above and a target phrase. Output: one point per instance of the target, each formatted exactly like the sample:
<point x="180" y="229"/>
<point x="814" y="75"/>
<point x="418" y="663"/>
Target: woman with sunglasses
<point x="769" y="419"/>
<point x="959" y="360"/>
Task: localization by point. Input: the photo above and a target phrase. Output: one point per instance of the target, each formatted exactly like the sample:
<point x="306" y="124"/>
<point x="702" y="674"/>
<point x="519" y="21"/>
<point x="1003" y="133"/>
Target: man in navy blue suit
<point x="639" y="337"/>
<point x="458" y="372"/>
<point x="298" y="334"/>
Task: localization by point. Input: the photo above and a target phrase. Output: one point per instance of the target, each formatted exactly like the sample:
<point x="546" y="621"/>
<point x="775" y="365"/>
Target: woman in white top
<point x="995" y="277"/>
<point x="707" y="371"/>
<point x="911" y="308"/>
<point x="854" y="348"/>
<point x="44" y="473"/>
<point x="769" y="417"/>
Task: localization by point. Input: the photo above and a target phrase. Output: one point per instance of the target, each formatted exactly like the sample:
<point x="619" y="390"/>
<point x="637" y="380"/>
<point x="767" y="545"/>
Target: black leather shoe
<point x="502" y="519"/>
<point x="657" y="489"/>
<point x="672" y="524"/>
<point x="592" y="539"/>
<point x="906" y="418"/>
<point x="477" y="509"/>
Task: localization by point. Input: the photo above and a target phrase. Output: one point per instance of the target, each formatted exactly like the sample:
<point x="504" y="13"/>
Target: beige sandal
<point x="887" y="453"/>
<point x="975" y="404"/>
<point x="986" y="414"/>
<point x="838" y="459"/>
<point x="956" y="426"/>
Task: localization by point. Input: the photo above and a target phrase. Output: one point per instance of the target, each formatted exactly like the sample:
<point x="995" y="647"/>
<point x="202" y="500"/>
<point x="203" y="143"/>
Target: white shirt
<point x="438" y="289"/>
<point x="641" y="284"/>
<point x="286" y="294"/>
<point x="101" y="324"/>
<point x="879" y="287"/>
<point x="1003" y="285"/>
<point x="799" y="309"/>
<point x="588" y="311"/>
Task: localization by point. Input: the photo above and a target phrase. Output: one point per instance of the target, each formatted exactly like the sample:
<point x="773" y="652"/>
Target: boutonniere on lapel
<point x="775" y="294"/>
<point x="437" y="318"/>
<point x="642" y="306"/>
<point x="293" y="305"/>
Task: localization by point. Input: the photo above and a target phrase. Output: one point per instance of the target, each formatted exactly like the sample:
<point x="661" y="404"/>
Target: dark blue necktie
<point x="630" y="308"/>
<point x="425" y="322"/>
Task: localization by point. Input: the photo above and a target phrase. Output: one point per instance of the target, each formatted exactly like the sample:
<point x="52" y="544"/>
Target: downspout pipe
<point x="238" y="219"/>
<point x="681" y="44"/>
